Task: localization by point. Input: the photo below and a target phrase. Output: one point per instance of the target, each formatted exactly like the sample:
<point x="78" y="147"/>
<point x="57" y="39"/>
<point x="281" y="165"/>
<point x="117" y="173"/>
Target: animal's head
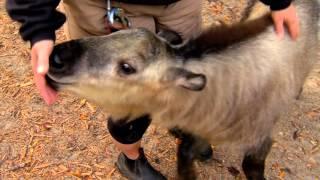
<point x="126" y="68"/>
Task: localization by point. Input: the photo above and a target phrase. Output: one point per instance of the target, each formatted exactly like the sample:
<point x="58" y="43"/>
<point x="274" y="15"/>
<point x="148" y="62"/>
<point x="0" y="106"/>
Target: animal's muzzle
<point x="56" y="64"/>
<point x="64" y="57"/>
<point x="51" y="83"/>
<point x="63" y="63"/>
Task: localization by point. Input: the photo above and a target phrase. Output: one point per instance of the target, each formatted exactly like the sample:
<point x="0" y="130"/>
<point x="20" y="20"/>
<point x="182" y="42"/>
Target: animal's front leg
<point x="253" y="163"/>
<point x="190" y="148"/>
<point x="185" y="158"/>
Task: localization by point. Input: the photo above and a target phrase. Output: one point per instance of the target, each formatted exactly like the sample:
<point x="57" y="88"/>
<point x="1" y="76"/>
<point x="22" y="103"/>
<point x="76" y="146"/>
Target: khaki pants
<point x="86" y="17"/>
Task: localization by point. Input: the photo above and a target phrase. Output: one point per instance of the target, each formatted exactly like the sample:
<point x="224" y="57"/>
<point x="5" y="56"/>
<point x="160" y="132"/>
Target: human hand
<point x="40" y="53"/>
<point x="286" y="17"/>
<point x="116" y="20"/>
<point x="116" y="26"/>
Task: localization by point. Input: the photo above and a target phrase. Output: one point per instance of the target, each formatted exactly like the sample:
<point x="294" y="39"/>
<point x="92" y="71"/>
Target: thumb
<point x="43" y="63"/>
<point x="42" y="49"/>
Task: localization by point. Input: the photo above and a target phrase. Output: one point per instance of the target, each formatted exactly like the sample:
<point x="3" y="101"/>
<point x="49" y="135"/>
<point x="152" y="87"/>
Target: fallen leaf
<point x="83" y="117"/>
<point x="82" y="102"/>
<point x="282" y="174"/>
<point x="26" y="84"/>
<point x="63" y="168"/>
<point x="313" y="114"/>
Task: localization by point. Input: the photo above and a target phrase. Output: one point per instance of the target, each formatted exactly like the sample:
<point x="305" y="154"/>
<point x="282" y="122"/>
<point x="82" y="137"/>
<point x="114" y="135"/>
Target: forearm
<point x="39" y="18"/>
<point x="277" y="4"/>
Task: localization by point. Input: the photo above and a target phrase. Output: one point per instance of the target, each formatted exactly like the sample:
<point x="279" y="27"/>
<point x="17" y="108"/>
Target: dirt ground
<point x="69" y="140"/>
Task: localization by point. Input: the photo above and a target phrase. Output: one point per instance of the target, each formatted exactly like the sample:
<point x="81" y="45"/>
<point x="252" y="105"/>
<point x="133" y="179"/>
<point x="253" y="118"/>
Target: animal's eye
<point x="126" y="68"/>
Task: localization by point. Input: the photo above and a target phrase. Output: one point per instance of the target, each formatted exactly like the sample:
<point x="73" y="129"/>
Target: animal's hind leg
<point x="254" y="161"/>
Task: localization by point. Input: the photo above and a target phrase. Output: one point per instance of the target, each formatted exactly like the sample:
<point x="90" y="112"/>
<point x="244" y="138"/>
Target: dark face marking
<point x="63" y="59"/>
<point x="122" y="60"/>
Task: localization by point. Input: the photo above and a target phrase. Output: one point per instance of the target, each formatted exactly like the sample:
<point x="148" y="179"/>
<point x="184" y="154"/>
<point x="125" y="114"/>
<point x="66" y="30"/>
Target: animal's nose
<point x="56" y="64"/>
<point x="64" y="57"/>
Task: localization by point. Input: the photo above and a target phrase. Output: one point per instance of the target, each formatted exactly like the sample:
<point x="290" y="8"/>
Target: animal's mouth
<point x="54" y="84"/>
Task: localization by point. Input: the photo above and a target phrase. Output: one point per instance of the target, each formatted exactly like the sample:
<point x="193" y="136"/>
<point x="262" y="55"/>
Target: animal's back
<point x="249" y="84"/>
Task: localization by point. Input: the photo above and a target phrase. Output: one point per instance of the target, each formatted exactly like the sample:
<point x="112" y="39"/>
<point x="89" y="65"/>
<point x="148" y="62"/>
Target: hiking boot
<point x="139" y="169"/>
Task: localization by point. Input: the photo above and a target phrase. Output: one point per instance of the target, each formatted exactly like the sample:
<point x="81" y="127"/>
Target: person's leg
<point x="132" y="164"/>
<point x="86" y="18"/>
<point x="138" y="16"/>
<point x="183" y="17"/>
<point x="130" y="150"/>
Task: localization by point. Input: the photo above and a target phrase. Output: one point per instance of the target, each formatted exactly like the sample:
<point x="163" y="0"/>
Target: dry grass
<point x="69" y="139"/>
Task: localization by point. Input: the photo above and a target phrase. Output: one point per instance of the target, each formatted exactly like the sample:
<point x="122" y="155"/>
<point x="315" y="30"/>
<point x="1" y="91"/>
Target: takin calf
<point x="228" y="86"/>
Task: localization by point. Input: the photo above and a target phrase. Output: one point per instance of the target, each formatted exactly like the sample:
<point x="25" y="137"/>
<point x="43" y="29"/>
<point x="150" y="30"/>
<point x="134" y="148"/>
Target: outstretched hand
<point x="40" y="54"/>
<point x="286" y="17"/>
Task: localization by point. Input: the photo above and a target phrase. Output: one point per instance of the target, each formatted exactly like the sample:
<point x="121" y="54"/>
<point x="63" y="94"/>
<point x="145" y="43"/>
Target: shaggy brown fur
<point x="219" y="38"/>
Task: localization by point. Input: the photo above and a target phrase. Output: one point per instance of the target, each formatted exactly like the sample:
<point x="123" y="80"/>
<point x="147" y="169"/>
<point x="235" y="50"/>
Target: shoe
<point x="138" y="169"/>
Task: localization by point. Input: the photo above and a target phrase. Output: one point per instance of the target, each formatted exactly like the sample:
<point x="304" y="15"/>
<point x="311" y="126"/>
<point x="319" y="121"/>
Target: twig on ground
<point x="19" y="166"/>
<point x="3" y="159"/>
<point x="7" y="55"/>
<point x="111" y="172"/>
<point x="42" y="166"/>
<point x="26" y="149"/>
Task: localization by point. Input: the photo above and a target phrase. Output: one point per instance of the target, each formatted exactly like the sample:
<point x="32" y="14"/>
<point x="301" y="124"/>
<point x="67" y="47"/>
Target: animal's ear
<point x="170" y="36"/>
<point x="187" y="79"/>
